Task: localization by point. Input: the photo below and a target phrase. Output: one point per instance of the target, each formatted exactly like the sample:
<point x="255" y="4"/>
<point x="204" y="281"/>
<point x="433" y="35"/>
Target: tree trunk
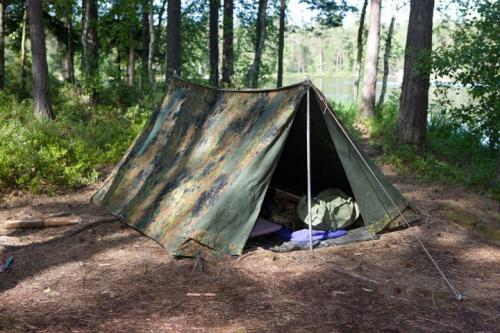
<point x="227" y="48"/>
<point x="2" y="45"/>
<point x="69" y="56"/>
<point x="372" y="46"/>
<point x="22" y="58"/>
<point x="90" y="49"/>
<point x="151" y="48"/>
<point x="357" y="68"/>
<point x="252" y="78"/>
<point x="214" y="42"/>
<point x="173" y="52"/>
<point x="84" y="55"/>
<point x="281" y="43"/>
<point x="387" y="56"/>
<point x="145" y="44"/>
<point x="412" y="120"/>
<point x="39" y="69"/>
<point x="131" y="49"/>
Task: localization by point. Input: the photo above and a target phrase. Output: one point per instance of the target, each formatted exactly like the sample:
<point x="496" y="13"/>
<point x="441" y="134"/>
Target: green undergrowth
<point x="48" y="156"/>
<point x="452" y="156"/>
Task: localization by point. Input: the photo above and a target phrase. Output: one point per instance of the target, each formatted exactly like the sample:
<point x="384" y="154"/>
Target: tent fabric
<point x="195" y="178"/>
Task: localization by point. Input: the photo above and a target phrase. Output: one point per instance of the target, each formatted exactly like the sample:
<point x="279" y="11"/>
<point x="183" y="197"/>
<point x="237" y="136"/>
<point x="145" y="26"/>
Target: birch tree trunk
<point x="412" y="120"/>
<point x="252" y="78"/>
<point x="372" y="47"/>
<point x="387" y="56"/>
<point x="227" y="47"/>
<point x="281" y="43"/>
<point x="39" y="69"/>
<point x="359" y="56"/>
<point x="214" y="42"/>
<point x="173" y="52"/>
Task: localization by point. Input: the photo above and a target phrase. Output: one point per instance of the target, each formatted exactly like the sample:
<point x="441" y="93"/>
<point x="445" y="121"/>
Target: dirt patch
<point x="112" y="278"/>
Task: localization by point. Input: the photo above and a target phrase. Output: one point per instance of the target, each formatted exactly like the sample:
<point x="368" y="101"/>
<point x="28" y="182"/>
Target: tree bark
<point x="69" y="56"/>
<point x="387" y="56"/>
<point x="145" y="44"/>
<point x="281" y="43"/>
<point x="412" y="120"/>
<point x="372" y="45"/>
<point x="151" y="48"/>
<point x="84" y="55"/>
<point x="39" y="69"/>
<point x="357" y="68"/>
<point x="90" y="49"/>
<point x="2" y="45"/>
<point x="227" y="48"/>
<point x="22" y="57"/>
<point x="214" y="42"/>
<point x="131" y="49"/>
<point x="173" y="52"/>
<point x="252" y="78"/>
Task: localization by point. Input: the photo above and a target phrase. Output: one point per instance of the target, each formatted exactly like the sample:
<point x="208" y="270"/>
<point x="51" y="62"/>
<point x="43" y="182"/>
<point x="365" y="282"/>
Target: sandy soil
<point x="110" y="278"/>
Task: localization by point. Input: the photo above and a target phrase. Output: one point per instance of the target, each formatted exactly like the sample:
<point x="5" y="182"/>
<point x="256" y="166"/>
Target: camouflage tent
<point x="195" y="178"/>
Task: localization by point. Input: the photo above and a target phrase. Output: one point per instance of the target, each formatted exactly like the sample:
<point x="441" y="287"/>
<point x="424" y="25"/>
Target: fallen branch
<point x="57" y="221"/>
<point x="69" y="233"/>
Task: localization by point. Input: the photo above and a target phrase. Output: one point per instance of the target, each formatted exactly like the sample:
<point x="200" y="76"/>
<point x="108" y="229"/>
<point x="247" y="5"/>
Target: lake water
<point x="340" y="89"/>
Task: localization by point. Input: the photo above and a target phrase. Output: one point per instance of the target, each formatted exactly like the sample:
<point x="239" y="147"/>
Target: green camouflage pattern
<point x="195" y="178"/>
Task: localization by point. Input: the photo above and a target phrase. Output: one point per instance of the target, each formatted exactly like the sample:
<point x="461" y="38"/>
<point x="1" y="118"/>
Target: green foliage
<point x="43" y="156"/>
<point x="470" y="61"/>
<point x="454" y="155"/>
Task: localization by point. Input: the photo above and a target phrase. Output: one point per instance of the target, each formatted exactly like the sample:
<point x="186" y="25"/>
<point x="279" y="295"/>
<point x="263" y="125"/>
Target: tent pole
<point x="308" y="143"/>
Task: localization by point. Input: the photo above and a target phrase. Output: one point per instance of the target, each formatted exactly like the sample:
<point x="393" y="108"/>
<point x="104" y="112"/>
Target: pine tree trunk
<point x="84" y="55"/>
<point x="131" y="49"/>
<point x="227" y="48"/>
<point x="145" y="44"/>
<point x="22" y="56"/>
<point x="90" y="49"/>
<point x="387" y="56"/>
<point x="214" y="42"/>
<point x="281" y="43"/>
<point x="357" y="68"/>
<point x="69" y="56"/>
<point x="252" y="78"/>
<point x="412" y="120"/>
<point x="39" y="69"/>
<point x="372" y="46"/>
<point x="2" y="45"/>
<point x="151" y="48"/>
<point x="173" y="52"/>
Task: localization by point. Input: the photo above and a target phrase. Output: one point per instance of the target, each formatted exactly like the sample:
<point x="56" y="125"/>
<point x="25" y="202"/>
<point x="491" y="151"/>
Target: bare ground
<point x="110" y="278"/>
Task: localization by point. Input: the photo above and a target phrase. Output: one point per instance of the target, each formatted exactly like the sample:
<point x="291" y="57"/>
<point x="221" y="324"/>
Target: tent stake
<point x="308" y="142"/>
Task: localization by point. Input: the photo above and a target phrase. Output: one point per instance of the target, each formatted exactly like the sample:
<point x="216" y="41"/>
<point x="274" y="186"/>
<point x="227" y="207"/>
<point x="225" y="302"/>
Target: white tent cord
<point x="457" y="293"/>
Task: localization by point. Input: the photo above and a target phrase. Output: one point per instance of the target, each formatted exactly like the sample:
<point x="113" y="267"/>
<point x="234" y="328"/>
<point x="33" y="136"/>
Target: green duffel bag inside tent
<point x="331" y="209"/>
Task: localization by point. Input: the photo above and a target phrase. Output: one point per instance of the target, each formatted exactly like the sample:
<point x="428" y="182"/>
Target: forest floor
<point x="111" y="278"/>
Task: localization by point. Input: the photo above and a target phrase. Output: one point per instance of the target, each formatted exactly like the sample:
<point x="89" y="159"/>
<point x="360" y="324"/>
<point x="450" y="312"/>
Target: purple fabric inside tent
<point x="302" y="235"/>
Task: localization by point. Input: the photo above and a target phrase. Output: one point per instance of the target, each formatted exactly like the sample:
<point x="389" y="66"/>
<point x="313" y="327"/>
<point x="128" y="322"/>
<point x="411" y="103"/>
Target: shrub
<point x="44" y="156"/>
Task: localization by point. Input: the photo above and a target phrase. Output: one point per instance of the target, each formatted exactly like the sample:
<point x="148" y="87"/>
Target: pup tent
<point x="194" y="180"/>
